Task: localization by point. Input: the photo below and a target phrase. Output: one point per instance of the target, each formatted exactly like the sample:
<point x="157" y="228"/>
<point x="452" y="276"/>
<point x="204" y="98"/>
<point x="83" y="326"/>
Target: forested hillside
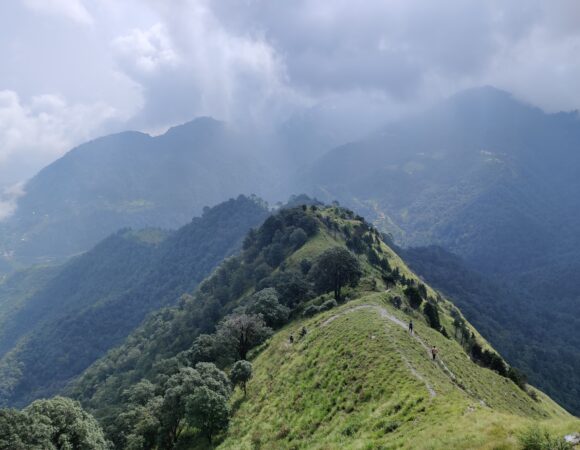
<point x="503" y="313"/>
<point x="351" y="374"/>
<point x="56" y="321"/>
<point x="129" y="180"/>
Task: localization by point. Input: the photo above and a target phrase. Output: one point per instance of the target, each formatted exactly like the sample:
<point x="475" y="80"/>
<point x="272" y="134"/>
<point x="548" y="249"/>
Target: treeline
<point x="233" y="311"/>
<point x="97" y="299"/>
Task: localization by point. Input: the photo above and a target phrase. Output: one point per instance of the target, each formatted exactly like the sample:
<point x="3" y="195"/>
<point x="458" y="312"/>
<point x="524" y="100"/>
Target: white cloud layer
<point x="34" y="133"/>
<point x="147" y="64"/>
<point x="70" y="9"/>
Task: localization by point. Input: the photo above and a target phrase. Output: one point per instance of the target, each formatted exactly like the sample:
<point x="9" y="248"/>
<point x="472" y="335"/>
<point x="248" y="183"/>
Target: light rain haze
<point x="76" y="69"/>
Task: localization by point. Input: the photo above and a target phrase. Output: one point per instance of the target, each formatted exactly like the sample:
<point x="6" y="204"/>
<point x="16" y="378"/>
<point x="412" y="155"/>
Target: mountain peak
<point x="488" y="100"/>
<point x="200" y="125"/>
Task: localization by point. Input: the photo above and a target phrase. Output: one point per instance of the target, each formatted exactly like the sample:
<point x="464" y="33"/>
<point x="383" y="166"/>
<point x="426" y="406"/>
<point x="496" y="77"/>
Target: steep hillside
<point x="475" y="174"/>
<point x="355" y="379"/>
<point x="128" y="180"/>
<point x="56" y="321"/>
<point x="494" y="181"/>
<point x="548" y="354"/>
<point x="358" y="379"/>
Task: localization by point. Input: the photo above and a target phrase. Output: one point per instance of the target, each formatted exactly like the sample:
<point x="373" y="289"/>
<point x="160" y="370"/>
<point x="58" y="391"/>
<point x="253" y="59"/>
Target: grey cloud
<point x="149" y="64"/>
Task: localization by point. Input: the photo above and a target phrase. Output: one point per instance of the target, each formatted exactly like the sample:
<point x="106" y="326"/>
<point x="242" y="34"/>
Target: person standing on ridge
<point x="410" y="326"/>
<point x="434" y="352"/>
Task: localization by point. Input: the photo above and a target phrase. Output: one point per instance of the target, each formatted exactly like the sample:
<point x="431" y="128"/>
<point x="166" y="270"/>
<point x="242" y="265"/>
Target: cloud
<point x="34" y="133"/>
<point x="153" y="63"/>
<point x="188" y="64"/>
<point x="71" y="9"/>
<point x="9" y="198"/>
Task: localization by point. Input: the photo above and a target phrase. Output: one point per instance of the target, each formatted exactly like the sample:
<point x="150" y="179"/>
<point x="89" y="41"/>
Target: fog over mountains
<point x="483" y="175"/>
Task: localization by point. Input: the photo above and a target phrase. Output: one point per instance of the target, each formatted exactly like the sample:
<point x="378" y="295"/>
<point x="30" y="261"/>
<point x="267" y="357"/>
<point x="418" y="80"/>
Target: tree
<point x="208" y="411"/>
<point x="239" y="333"/>
<point x="334" y="269"/>
<point x="205" y="348"/>
<point x="298" y="238"/>
<point x="291" y="286"/>
<point x="18" y="431"/>
<point x="70" y="426"/>
<point x="241" y="374"/>
<point x="432" y="314"/>
<point x="266" y="304"/>
<point x="414" y="297"/>
<point x="179" y="390"/>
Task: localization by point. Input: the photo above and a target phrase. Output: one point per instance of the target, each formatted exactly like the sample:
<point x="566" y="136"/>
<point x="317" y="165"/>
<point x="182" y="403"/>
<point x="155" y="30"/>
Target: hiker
<point x="434" y="352"/>
<point x="303" y="332"/>
<point x="411" y="326"/>
<point x="291" y="339"/>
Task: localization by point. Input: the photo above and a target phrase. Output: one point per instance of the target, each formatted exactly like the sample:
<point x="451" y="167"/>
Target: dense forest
<point x="94" y="301"/>
<point x="237" y="308"/>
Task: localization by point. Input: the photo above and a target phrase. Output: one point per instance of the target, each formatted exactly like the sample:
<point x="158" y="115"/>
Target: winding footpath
<point x="384" y="313"/>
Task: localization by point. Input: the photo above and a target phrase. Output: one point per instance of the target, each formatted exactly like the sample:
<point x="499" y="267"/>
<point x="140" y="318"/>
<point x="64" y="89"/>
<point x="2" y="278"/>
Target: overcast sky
<point x="71" y="70"/>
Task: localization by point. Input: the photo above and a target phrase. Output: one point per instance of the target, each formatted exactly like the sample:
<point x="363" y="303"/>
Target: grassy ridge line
<point x="346" y="385"/>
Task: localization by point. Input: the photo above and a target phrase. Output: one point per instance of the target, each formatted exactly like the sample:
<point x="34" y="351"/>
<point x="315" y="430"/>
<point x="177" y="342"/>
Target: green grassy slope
<point x="360" y="380"/>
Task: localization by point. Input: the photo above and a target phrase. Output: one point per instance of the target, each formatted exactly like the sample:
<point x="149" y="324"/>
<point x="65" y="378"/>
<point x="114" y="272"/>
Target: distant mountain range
<point x="495" y="181"/>
<point x="483" y="175"/>
<point x="129" y="180"/>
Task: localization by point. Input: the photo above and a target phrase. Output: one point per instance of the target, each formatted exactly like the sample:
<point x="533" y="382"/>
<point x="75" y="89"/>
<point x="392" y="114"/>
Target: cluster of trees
<point x="484" y="357"/>
<point x="232" y="312"/>
<point x="56" y="424"/>
<point x="156" y="415"/>
<point x="93" y="302"/>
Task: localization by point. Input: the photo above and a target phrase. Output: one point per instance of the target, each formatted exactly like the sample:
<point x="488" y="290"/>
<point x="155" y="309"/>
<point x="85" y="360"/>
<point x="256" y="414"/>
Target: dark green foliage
<point x="274" y="254"/>
<point x="291" y="286"/>
<point x="310" y="311"/>
<point x="414" y="296"/>
<point x="208" y="411"/>
<point x="328" y="304"/>
<point x="97" y="299"/>
<point x="19" y="431"/>
<point x="535" y="438"/>
<point x="56" y="424"/>
<point x="334" y="269"/>
<point x="432" y="315"/>
<point x="397" y="301"/>
<point x="298" y="238"/>
<point x="241" y="373"/>
<point x="239" y="333"/>
<point x="266" y="304"/>
<point x="305" y="266"/>
<point x="518" y="377"/>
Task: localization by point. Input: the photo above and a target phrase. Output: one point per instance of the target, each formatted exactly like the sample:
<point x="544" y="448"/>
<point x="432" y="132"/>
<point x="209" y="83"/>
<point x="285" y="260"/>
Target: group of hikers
<point x="433" y="350"/>
<point x="303" y="332"/>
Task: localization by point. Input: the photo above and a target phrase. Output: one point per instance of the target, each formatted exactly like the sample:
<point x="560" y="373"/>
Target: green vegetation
<point x="494" y="181"/>
<point x="56" y="321"/>
<point x="346" y="376"/>
<point x="535" y="337"/>
<point x="55" y="424"/>
<point x="313" y="372"/>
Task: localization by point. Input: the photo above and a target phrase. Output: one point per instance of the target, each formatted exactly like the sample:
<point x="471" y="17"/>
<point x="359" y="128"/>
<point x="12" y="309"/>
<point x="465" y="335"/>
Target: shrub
<point x="328" y="304"/>
<point x="311" y="310"/>
<point x="414" y="297"/>
<point x="535" y="438"/>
